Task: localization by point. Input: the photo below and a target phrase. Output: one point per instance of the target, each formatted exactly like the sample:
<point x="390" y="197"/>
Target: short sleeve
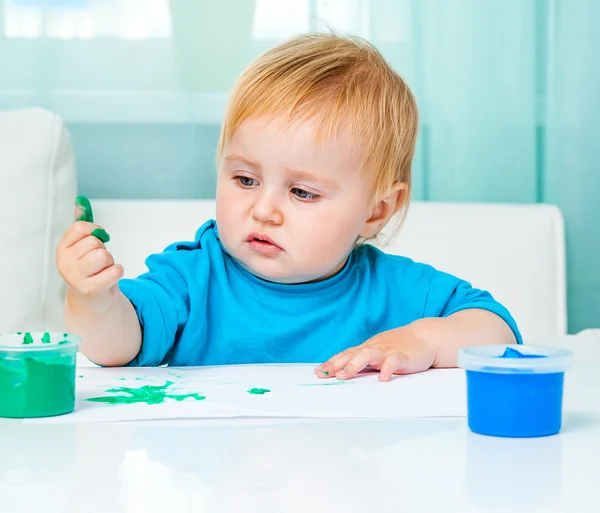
<point x="448" y="295"/>
<point x="161" y="300"/>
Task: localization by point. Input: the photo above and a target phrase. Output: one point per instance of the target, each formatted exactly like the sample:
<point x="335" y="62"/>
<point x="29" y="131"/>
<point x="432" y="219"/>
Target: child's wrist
<point x="89" y="307"/>
<point x="427" y="331"/>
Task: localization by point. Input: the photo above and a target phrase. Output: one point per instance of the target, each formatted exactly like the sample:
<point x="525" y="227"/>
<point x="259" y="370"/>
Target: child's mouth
<point x="262" y="244"/>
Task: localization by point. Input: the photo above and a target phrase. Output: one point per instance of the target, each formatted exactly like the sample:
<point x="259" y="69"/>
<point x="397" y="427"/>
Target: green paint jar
<point x="37" y="374"/>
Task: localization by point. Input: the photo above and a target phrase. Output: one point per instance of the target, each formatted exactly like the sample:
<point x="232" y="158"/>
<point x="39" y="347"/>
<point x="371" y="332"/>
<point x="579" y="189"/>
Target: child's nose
<point x="267" y="210"/>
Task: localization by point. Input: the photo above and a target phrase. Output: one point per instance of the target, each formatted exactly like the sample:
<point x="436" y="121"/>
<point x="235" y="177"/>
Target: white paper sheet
<point x="294" y="391"/>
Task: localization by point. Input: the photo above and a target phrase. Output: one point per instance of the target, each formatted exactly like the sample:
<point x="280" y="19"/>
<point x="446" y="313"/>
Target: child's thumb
<point x="83" y="210"/>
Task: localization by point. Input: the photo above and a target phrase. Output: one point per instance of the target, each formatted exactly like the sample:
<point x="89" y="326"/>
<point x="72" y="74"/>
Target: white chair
<point x="37" y="187"/>
<point x="515" y="251"/>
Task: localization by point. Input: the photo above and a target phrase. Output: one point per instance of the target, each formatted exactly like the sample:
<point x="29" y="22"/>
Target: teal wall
<point x="508" y="93"/>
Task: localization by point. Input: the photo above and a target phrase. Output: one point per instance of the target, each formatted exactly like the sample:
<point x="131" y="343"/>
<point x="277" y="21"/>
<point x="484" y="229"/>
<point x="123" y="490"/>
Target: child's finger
<point x="393" y="363"/>
<point x="101" y="235"/>
<point x="86" y="245"/>
<point x="101" y="282"/>
<point x="76" y="232"/>
<point x="83" y="210"/>
<point x="96" y="261"/>
<point x="366" y="356"/>
<point x="335" y="363"/>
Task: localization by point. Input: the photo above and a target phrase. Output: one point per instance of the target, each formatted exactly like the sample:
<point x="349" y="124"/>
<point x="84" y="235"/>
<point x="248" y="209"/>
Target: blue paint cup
<point x="515" y="390"/>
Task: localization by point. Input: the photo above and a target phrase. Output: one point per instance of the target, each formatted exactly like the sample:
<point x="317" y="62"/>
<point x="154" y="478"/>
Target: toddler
<point x="314" y="159"/>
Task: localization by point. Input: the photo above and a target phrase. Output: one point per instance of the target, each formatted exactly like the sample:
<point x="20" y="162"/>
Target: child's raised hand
<point x="83" y="261"/>
<point x="397" y="351"/>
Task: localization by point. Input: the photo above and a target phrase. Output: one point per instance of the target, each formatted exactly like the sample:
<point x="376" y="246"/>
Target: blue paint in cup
<point x="515" y="391"/>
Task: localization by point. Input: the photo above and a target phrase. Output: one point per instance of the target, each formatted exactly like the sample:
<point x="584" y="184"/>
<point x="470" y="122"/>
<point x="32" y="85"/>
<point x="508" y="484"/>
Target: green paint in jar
<point x="37" y="376"/>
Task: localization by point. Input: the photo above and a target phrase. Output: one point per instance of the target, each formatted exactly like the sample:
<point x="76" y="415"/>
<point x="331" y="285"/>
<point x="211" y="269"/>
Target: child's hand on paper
<point x="397" y="351"/>
<point x="84" y="263"/>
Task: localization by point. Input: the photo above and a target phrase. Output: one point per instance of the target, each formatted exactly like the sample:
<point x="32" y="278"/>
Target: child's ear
<point x="384" y="208"/>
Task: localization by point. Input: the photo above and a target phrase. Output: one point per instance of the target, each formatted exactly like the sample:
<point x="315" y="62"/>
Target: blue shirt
<point x="198" y="306"/>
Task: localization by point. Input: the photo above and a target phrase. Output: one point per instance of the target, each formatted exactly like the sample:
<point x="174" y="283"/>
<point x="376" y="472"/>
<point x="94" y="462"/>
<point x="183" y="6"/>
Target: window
<point x="87" y="19"/>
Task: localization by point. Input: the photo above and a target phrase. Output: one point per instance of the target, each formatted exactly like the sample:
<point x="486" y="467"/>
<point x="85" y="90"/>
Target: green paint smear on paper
<point x="147" y="394"/>
<point x="46" y="338"/>
<point x="31" y="387"/>
<point x="27" y="339"/>
<point x="258" y="391"/>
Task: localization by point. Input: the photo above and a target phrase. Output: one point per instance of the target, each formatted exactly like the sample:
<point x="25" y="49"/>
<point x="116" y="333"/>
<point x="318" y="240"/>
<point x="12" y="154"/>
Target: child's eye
<point x="246" y="181"/>
<point x="304" y="195"/>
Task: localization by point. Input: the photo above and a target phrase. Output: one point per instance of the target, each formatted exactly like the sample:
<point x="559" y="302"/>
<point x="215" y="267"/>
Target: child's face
<point x="289" y="209"/>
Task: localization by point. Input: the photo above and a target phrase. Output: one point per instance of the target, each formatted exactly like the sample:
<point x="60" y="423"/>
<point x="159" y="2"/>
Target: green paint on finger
<point x="101" y="234"/>
<point x="86" y="214"/>
<point x="258" y="391"/>
<point x="85" y="209"/>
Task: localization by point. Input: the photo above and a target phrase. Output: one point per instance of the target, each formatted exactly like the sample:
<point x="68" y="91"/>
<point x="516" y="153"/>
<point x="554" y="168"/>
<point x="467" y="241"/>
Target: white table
<point x="418" y="465"/>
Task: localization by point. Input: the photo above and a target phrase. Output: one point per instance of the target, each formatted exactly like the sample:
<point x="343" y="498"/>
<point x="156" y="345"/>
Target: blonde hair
<point x="342" y="82"/>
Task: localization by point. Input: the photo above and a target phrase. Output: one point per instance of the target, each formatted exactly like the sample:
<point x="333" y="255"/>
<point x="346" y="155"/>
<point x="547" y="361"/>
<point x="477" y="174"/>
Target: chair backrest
<point x="515" y="251"/>
<point x="37" y="187"/>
